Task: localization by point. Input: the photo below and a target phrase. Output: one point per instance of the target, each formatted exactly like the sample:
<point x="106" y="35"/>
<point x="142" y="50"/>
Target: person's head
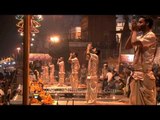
<point x="109" y="70"/>
<point x="97" y="52"/>
<point x="74" y="54"/>
<point x="35" y="71"/>
<point x="61" y="58"/>
<point x="144" y="23"/>
<point x="94" y="50"/>
<point x="104" y="65"/>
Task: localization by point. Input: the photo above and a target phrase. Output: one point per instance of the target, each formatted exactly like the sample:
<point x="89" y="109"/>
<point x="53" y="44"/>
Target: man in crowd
<point x="92" y="77"/>
<point x="61" y="65"/>
<point x="143" y="87"/>
<point x="75" y="66"/>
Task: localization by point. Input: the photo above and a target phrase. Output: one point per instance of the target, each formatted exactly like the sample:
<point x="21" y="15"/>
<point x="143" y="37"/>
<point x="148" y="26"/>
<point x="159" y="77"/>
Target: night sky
<point x="10" y="38"/>
<point x="8" y="35"/>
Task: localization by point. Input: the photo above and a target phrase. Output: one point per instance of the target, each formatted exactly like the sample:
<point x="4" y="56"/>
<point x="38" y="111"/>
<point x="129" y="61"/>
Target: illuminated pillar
<point x="26" y="51"/>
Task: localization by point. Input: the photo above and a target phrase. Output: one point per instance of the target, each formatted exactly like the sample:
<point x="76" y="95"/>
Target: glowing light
<point x="31" y="44"/>
<point x="32" y="39"/>
<point x="19" y="17"/>
<point x="113" y="97"/>
<point x="34" y="23"/>
<point x="38" y="17"/>
<point x="18" y="49"/>
<point x="127" y="57"/>
<point x="21" y="34"/>
<point x="54" y="39"/>
<point x="33" y="34"/>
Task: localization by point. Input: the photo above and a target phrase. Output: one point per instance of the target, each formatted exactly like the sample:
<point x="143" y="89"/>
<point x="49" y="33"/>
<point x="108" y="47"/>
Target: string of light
<point x="34" y="23"/>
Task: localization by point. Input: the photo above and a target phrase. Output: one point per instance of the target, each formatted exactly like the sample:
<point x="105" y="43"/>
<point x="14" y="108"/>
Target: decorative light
<point x="33" y="34"/>
<point x="19" y="17"/>
<point x="34" y="23"/>
<point x="32" y="39"/>
<point x="18" y="49"/>
<point x="21" y="34"/>
<point x="31" y="44"/>
<point x="38" y="17"/>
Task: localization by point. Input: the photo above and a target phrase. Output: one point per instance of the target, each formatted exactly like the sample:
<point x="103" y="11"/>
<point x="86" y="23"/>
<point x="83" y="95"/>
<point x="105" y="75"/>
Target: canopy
<point x="127" y="57"/>
<point x="39" y="56"/>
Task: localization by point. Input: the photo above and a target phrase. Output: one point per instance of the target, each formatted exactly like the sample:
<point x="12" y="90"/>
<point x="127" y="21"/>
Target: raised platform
<point x="59" y="92"/>
<point x="63" y="89"/>
<point x="67" y="92"/>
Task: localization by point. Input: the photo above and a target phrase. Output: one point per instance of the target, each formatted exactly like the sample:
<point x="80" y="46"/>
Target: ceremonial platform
<point x="63" y="92"/>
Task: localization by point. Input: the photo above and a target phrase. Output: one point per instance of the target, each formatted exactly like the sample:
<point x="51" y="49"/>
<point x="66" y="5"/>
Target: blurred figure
<point x="92" y="77"/>
<point x="37" y="66"/>
<point x="83" y="74"/>
<point x="51" y="73"/>
<point x="36" y="73"/>
<point x="8" y="95"/>
<point x="2" y="95"/>
<point x="61" y="65"/>
<point x="103" y="76"/>
<point x="46" y="73"/>
<point x="75" y="66"/>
